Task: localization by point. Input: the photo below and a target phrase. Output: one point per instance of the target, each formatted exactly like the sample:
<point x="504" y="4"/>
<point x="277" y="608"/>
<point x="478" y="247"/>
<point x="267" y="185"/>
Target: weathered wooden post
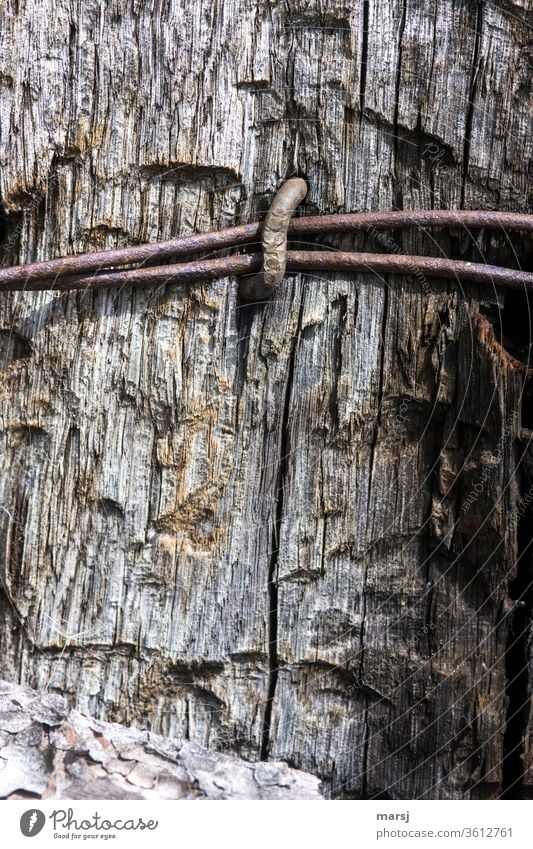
<point x="285" y="529"/>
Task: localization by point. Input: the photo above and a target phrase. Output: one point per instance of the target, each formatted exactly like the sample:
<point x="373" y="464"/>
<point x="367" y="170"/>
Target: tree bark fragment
<point x="49" y="751"/>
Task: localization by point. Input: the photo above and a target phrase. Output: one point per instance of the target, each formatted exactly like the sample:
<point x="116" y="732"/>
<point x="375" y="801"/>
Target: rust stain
<point x="487" y="338"/>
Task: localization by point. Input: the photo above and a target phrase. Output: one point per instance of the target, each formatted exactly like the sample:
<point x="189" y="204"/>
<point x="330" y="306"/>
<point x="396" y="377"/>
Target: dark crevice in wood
<point x="471" y="98"/>
<point x="513" y="329"/>
<point x="517" y="687"/>
<point x="337" y="359"/>
<point x="429" y="624"/>
<point x="10" y="230"/>
<point x="273" y="567"/>
<point x="244" y="319"/>
<point x="364" y="58"/>
<point x="14" y="623"/>
<point x="3" y="220"/>
<point x="527" y="403"/>
<point x="110" y="508"/>
<point x="184" y="173"/>
<point x="364" y="766"/>
<point x="187" y="728"/>
<point x="493" y="246"/>
<point x="516" y="338"/>
<point x="73" y="31"/>
<point x="14" y="346"/>
<point x="377" y="425"/>
<point x="272" y="631"/>
<point x="15" y="545"/>
<point x="398" y="202"/>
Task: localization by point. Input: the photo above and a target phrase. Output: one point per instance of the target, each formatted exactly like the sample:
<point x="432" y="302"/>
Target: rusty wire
<point x="91" y="270"/>
<point x="306" y="261"/>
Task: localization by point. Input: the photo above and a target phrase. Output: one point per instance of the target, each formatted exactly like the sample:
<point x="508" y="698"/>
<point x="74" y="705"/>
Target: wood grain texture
<point x="243" y="525"/>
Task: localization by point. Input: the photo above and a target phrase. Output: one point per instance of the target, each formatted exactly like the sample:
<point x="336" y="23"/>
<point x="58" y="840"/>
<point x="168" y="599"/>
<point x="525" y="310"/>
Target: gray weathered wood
<point x="243" y="525"/>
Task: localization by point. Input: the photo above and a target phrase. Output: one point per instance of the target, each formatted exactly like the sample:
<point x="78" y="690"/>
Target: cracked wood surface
<point x="243" y="525"/>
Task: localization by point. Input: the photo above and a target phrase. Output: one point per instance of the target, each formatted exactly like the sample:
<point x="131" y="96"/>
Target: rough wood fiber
<point x="243" y="525"/>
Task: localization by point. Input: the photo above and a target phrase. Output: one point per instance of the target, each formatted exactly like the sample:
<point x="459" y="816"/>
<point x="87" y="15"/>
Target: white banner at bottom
<point x="264" y="825"/>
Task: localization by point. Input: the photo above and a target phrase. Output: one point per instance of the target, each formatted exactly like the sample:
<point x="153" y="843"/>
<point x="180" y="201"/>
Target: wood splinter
<point x="274" y="241"/>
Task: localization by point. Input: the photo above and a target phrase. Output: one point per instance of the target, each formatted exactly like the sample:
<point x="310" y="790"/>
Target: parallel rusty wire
<point x="92" y="270"/>
<point x="306" y="261"/>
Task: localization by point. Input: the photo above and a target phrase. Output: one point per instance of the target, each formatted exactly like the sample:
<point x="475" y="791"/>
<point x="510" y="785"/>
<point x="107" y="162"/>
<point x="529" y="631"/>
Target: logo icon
<point x="32" y="822"/>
